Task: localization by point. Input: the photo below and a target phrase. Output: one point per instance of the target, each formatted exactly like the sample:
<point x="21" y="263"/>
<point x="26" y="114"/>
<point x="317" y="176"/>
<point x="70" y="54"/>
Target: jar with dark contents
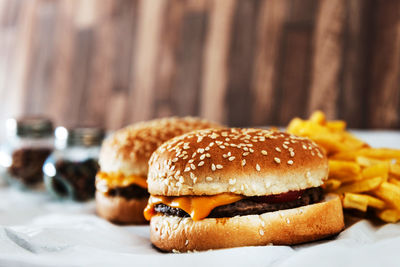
<point x="70" y="171"/>
<point x="30" y="141"/>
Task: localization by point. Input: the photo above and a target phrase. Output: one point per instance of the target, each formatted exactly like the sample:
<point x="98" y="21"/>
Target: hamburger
<point x="121" y="187"/>
<point x="221" y="188"/>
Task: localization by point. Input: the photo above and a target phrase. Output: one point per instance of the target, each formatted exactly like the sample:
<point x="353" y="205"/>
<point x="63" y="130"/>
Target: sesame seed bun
<point x="284" y="227"/>
<point x="127" y="152"/>
<point x="249" y="162"/>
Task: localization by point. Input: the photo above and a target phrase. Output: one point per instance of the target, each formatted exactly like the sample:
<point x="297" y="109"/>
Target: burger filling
<point x="117" y="184"/>
<point x="239" y="207"/>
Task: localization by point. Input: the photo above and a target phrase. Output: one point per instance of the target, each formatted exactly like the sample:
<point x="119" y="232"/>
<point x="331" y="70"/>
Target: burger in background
<point x="121" y="187"/>
<point x="221" y="188"/>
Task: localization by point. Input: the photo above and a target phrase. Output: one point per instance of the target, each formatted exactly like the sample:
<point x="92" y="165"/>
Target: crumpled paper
<point x="38" y="231"/>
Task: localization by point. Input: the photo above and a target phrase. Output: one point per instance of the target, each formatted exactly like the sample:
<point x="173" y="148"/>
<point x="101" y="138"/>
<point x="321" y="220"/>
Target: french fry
<point x="354" y="201"/>
<point x="363" y="176"/>
<point x="375" y="202"/>
<point x="361" y="186"/>
<point x="345" y="155"/>
<point x="318" y="117"/>
<point x="380" y="153"/>
<point x="366" y="162"/>
<point x="331" y="184"/>
<point x="389" y="193"/>
<point x="395" y="169"/>
<point x="394" y="181"/>
<point x="336" y="126"/>
<point x="389" y="215"/>
<point x="380" y="169"/>
<point x="339" y="169"/>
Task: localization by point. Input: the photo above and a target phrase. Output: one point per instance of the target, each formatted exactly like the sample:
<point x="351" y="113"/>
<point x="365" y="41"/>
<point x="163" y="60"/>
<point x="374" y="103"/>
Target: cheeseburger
<point x="121" y="187"/>
<point x="220" y="188"/>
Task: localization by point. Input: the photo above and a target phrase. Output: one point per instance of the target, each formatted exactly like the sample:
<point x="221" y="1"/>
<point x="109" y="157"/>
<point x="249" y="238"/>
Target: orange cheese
<point x="105" y="181"/>
<point x="198" y="207"/>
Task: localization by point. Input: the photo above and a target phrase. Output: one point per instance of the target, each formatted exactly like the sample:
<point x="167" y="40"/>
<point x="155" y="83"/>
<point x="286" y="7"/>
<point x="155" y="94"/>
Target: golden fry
<point x="336" y="126"/>
<point x="390" y="193"/>
<point x="339" y="168"/>
<point x="395" y="169"/>
<point x="366" y="162"/>
<point x="332" y="184"/>
<point x="361" y="186"/>
<point x="380" y="169"/>
<point x="318" y="117"/>
<point x="375" y="202"/>
<point x="354" y="201"/>
<point x="380" y="153"/>
<point x="394" y="181"/>
<point x="389" y="215"/>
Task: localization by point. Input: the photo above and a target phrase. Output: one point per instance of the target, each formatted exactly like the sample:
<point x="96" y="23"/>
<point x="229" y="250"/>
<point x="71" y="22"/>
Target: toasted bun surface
<point x="120" y="209"/>
<point x="285" y="227"/>
<point x="250" y="162"/>
<point x="128" y="150"/>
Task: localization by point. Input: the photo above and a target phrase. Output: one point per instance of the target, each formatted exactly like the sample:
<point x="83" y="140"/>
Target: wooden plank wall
<point x="241" y="62"/>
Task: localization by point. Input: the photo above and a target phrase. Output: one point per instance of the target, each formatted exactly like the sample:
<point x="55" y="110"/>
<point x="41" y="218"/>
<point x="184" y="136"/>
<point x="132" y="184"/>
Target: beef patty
<point x="129" y="192"/>
<point x="249" y="206"/>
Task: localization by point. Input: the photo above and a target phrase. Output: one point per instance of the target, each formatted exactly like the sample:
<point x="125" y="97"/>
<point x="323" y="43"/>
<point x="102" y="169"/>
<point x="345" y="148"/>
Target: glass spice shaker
<point x="70" y="171"/>
<point x="30" y="141"/>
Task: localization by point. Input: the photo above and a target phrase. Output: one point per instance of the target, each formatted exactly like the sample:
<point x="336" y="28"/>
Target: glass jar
<point x="70" y="171"/>
<point x="30" y="141"/>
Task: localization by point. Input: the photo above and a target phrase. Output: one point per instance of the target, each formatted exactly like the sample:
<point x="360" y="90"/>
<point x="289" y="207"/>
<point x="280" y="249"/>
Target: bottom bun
<point x="121" y="210"/>
<point x="283" y="227"/>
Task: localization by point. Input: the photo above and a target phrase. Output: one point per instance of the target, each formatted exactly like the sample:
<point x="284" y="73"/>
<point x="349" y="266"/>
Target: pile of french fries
<point x="366" y="178"/>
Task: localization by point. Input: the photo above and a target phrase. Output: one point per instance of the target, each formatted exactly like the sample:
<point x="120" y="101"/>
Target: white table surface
<point x="38" y="231"/>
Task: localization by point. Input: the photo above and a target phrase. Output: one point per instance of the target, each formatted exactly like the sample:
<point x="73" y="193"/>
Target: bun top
<point x="128" y="150"/>
<point x="250" y="162"/>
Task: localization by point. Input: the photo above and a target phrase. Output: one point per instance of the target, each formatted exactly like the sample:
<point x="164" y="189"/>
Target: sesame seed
<point x="231" y="158"/>
<point x="208" y="155"/>
<point x="187" y="169"/>
<point x="285" y="146"/>
<point x="185" y="157"/>
<point x="304" y="147"/>
<point x="243" y="162"/>
<point x="261" y="232"/>
<point x="186" y="242"/>
<point x="251" y="150"/>
<point x="290" y="162"/>
<point x="199" y="139"/>
<point x="312" y="153"/>
<point x="202" y="156"/>
<point x="192" y="166"/>
<point x="207" y="148"/>
<point x="245" y="154"/>
<point x="175" y="160"/>
<point x="264" y="152"/>
<point x="219" y="166"/>
<point x="229" y="154"/>
<point x="258" y="168"/>
<point x="278" y="149"/>
<point x="277" y="160"/>
<point x="213" y="167"/>
<point x="224" y="156"/>
<point x="209" y="179"/>
<point x="190" y="160"/>
<point x="222" y="147"/>
<point x="292" y="154"/>
<point x="201" y="163"/>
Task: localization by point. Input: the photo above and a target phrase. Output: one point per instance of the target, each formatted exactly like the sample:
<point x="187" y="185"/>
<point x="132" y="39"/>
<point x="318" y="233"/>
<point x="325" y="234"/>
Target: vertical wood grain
<point x="327" y="57"/>
<point x="384" y="96"/>
<point x="214" y="70"/>
<point x="267" y="48"/>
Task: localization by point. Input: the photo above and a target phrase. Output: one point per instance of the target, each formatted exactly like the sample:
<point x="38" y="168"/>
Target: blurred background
<point x="240" y="62"/>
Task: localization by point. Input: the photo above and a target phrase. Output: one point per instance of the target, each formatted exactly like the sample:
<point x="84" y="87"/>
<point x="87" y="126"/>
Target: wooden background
<point x="241" y="62"/>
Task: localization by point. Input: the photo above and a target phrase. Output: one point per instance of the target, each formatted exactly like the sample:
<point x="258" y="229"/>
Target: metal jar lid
<point x="85" y="136"/>
<point x="34" y="127"/>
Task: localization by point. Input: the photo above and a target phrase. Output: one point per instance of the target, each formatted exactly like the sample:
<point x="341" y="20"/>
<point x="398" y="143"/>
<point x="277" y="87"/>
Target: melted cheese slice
<point x="198" y="207"/>
<point x="105" y="181"/>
